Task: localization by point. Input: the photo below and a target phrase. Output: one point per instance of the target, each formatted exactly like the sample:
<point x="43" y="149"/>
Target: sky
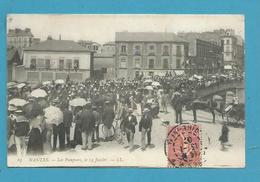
<point x="102" y="28"/>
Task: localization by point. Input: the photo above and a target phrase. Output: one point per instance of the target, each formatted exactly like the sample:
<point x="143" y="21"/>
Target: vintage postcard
<point x="122" y="90"/>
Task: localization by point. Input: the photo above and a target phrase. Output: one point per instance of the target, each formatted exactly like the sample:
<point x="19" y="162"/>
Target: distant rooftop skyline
<point x="102" y="28"/>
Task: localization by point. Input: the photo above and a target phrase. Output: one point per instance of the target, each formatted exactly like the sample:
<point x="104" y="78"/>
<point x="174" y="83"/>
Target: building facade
<point x="19" y="38"/>
<point x="148" y="53"/>
<point x="205" y="57"/>
<point x="104" y="62"/>
<point x="55" y="59"/>
<point x="93" y="46"/>
<point x="233" y="49"/>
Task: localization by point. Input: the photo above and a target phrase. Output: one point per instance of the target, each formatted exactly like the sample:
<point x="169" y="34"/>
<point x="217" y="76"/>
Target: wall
<point x="146" y="55"/>
<point x="84" y="58"/>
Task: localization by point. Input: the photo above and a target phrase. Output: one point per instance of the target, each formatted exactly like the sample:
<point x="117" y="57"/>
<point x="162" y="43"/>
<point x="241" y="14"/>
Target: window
<point x="40" y="63"/>
<point x="165" y="64"/>
<point x="123" y="63"/>
<point x="137" y="62"/>
<point x="178" y="50"/>
<point x="178" y="63"/>
<point x="227" y="41"/>
<point x="47" y="64"/>
<point x="227" y="48"/>
<point x="68" y="63"/>
<point x="123" y="49"/>
<point x="61" y="64"/>
<point x="165" y="50"/>
<point x="137" y="50"/>
<point x="76" y="64"/>
<point x="33" y="63"/>
<point x="151" y="64"/>
<point x="151" y="47"/>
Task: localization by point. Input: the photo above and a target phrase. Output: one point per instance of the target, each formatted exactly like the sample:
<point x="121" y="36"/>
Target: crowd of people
<point x="44" y="119"/>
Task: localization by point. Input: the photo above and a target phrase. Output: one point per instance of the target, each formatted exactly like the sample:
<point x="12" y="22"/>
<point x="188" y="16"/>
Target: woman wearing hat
<point x="21" y="130"/>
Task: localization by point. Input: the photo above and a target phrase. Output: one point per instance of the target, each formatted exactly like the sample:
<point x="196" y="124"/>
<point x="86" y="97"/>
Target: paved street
<point x="114" y="154"/>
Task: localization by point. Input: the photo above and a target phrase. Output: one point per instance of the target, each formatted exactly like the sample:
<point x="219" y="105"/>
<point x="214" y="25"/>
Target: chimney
<point x="60" y="37"/>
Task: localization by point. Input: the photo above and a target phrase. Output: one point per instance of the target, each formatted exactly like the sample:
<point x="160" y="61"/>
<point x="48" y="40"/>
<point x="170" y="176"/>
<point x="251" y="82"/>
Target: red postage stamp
<point x="183" y="146"/>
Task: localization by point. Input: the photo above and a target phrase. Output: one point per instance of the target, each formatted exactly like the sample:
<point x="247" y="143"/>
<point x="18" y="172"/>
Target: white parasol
<point x="217" y="97"/>
<point x="38" y="93"/>
<point x="78" y="102"/>
<point x="156" y="84"/>
<point x="20" y="85"/>
<point x="148" y="81"/>
<point x="11" y="84"/>
<point x="53" y="115"/>
<point x="59" y="81"/>
<point x="46" y="83"/>
<point x="148" y="88"/>
<point x="17" y="102"/>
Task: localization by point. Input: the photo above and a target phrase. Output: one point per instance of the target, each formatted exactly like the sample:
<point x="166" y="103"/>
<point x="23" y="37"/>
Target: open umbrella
<point x="53" y="115"/>
<point x="192" y="78"/>
<point x="46" y="83"/>
<point x="32" y="110"/>
<point x="78" y="102"/>
<point x="17" y="102"/>
<point x="38" y="93"/>
<point x="148" y="81"/>
<point x="148" y="88"/>
<point x="156" y="84"/>
<point x="217" y="97"/>
<point x="11" y="84"/>
<point x="59" y="81"/>
<point x="20" y="85"/>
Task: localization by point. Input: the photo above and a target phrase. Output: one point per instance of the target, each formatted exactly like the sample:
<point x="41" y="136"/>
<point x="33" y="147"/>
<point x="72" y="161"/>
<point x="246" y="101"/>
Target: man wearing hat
<point x="67" y="121"/>
<point x="87" y="125"/>
<point x="145" y="127"/>
<point x="21" y="130"/>
<point x="128" y="125"/>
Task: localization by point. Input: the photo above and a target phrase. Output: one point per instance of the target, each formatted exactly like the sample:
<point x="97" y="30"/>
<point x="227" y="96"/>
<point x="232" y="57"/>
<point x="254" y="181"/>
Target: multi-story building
<point x="205" y="57"/>
<point x="55" y="59"/>
<point x="148" y="53"/>
<point x="233" y="46"/>
<point x="104" y="62"/>
<point x="19" y="38"/>
<point x="93" y="46"/>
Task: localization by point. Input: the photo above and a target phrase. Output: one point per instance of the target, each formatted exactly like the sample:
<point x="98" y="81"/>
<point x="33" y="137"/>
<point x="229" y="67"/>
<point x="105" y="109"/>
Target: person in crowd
<point x="128" y="125"/>
<point x="35" y="143"/>
<point x="164" y="100"/>
<point x="21" y="131"/>
<point x="108" y="118"/>
<point x="212" y="106"/>
<point x="58" y="130"/>
<point x="97" y="123"/>
<point x="177" y="105"/>
<point x="11" y="125"/>
<point x="224" y="136"/>
<point x="87" y="122"/>
<point x="145" y="127"/>
<point x="77" y="131"/>
<point x="67" y="121"/>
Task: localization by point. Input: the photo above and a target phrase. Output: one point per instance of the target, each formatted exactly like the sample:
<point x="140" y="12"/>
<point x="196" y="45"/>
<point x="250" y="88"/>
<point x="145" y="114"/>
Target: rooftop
<point x="58" y="45"/>
<point x="147" y="37"/>
<point x="17" y="32"/>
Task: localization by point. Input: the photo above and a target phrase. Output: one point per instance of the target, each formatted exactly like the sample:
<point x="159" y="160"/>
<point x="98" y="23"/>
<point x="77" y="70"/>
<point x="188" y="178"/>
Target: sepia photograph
<point x="125" y="90"/>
